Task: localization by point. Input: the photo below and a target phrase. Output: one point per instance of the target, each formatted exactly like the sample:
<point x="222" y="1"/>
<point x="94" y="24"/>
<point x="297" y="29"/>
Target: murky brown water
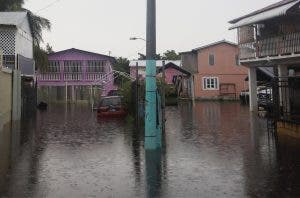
<point x="211" y="150"/>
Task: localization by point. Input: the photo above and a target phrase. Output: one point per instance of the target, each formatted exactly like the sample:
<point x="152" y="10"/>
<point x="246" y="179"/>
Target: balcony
<point x="283" y="45"/>
<point x="68" y="76"/>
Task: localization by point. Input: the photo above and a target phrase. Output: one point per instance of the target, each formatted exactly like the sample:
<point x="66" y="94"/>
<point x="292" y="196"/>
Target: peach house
<point x="217" y="73"/>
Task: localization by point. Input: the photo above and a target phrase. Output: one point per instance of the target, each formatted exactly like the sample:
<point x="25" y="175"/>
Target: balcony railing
<point x="56" y="76"/>
<point x="49" y="77"/>
<point x="274" y="46"/>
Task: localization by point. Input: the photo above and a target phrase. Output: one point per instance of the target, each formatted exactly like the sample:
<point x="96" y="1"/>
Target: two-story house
<point x="216" y="71"/>
<point x="270" y="37"/>
<point x="75" y="74"/>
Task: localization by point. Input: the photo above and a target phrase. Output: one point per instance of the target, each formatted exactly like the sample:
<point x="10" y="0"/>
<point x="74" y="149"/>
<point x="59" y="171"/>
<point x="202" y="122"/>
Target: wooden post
<point x="66" y="92"/>
<point x="92" y="97"/>
<point x="163" y="102"/>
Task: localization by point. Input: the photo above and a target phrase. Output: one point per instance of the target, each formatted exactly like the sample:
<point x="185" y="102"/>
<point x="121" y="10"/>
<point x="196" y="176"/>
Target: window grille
<point x="95" y="66"/>
<point x="1" y="59"/>
<point x="7" y="41"/>
<point x="72" y="66"/>
<point x="54" y="66"/>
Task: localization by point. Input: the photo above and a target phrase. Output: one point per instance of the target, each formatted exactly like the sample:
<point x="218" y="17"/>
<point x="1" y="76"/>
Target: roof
<point x="269" y="71"/>
<point x="159" y="63"/>
<point x="277" y="9"/>
<point x="210" y="45"/>
<point x="12" y="18"/>
<point x="264" y="74"/>
<point x="81" y="51"/>
<point x="172" y="65"/>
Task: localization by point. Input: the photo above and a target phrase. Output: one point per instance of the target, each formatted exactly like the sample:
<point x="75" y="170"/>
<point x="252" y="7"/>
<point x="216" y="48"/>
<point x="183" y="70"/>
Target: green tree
<point x="171" y="55"/>
<point x="122" y="64"/>
<point x="11" y="5"/>
<point x="143" y="57"/>
<point x="49" y="49"/>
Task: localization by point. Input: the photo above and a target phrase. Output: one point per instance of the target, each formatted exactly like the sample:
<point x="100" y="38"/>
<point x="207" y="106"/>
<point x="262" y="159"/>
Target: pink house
<point x="217" y="72"/>
<point x="142" y="66"/>
<point x="172" y="72"/>
<point x="75" y="74"/>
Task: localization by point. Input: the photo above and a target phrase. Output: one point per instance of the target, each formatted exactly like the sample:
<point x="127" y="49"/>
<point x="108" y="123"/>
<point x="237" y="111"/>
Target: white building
<point x="16" y="41"/>
<point x="142" y="66"/>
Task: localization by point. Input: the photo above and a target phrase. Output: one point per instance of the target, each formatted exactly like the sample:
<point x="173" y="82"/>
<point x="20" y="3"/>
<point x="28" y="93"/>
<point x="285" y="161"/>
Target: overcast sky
<point x="106" y="25"/>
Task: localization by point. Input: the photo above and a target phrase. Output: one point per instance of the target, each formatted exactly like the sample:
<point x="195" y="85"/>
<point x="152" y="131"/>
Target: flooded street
<point x="211" y="150"/>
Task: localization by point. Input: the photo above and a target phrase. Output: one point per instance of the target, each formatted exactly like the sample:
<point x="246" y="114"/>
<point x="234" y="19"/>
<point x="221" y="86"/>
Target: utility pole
<point x="137" y="95"/>
<point x="163" y="96"/>
<point x="151" y="126"/>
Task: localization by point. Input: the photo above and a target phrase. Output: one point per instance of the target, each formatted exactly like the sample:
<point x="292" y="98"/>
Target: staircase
<point x="108" y="78"/>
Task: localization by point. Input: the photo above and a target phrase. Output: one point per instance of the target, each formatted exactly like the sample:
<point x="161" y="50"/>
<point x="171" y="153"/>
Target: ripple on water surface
<point x="211" y="150"/>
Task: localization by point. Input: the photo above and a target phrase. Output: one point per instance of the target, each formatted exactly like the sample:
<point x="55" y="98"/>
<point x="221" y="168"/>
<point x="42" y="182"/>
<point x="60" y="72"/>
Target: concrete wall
<point x="24" y="41"/>
<point x="225" y="68"/>
<point x="5" y="122"/>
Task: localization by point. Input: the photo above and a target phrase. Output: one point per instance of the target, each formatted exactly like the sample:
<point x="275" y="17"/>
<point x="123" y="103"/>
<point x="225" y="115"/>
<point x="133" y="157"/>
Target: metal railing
<point x="273" y="46"/>
<point x="283" y="99"/>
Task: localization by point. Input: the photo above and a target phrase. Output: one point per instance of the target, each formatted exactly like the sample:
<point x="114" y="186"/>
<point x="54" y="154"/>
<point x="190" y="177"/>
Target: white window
<point x="210" y="83"/>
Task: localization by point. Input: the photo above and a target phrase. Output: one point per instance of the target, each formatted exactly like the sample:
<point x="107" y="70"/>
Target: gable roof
<point x="159" y="63"/>
<point x="210" y="45"/>
<point x="216" y="43"/>
<point x="264" y="74"/>
<point x="12" y="18"/>
<point x="277" y="9"/>
<point x="82" y="51"/>
<point x="172" y="65"/>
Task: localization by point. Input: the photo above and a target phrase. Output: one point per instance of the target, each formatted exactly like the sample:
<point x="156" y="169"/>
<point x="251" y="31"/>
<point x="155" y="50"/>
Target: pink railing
<point x="49" y="77"/>
<point x="55" y="76"/>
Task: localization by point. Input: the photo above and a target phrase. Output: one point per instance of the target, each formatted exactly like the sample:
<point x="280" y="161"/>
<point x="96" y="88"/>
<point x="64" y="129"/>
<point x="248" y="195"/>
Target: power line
<point x="48" y="6"/>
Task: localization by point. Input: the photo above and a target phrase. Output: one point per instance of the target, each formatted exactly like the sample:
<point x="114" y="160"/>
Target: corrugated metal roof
<point x="159" y="63"/>
<point x="72" y="50"/>
<point x="275" y="10"/>
<point x="209" y="45"/>
<point x="215" y="43"/>
<point x="275" y="5"/>
<point x="12" y="18"/>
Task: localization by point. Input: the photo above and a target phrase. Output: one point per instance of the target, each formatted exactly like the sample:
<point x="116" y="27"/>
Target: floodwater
<point x="210" y="150"/>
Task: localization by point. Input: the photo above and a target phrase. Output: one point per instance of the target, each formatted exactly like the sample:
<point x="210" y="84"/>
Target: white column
<point x="73" y="94"/>
<point x="193" y="88"/>
<point x="66" y="92"/>
<point x="252" y="88"/>
<point x="283" y="88"/>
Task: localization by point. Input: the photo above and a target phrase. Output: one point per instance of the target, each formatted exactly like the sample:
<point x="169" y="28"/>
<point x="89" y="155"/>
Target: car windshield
<point x="110" y="102"/>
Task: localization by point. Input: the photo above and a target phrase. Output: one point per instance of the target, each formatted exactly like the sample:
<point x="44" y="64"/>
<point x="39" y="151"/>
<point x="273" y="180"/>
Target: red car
<point x="111" y="107"/>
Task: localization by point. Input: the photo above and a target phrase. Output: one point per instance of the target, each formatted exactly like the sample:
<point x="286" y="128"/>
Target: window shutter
<point x="211" y="59"/>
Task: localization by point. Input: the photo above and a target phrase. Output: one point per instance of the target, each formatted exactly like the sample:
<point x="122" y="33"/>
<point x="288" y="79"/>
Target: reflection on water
<point x="210" y="150"/>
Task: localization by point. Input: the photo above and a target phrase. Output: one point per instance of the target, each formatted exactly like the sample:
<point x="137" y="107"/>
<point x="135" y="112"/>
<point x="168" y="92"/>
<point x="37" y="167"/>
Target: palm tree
<point x="9" y="5"/>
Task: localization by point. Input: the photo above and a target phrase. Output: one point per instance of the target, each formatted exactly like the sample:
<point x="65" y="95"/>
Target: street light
<point x="136" y="38"/>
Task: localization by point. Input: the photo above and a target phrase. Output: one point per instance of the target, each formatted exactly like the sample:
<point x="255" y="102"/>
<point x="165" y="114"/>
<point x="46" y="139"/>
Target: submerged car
<point x="111" y="107"/>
